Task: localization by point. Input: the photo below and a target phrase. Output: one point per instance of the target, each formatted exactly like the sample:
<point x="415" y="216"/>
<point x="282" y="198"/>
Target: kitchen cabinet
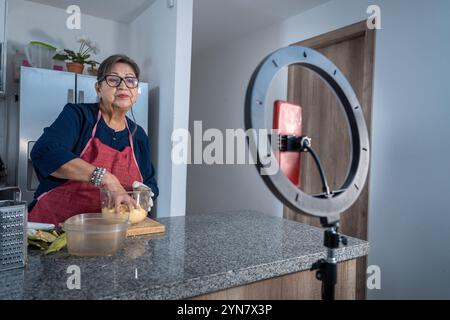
<point x="43" y="95"/>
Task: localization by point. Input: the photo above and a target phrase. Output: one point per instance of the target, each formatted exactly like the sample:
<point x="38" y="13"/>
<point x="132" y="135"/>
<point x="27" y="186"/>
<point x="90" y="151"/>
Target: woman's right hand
<point x="119" y="194"/>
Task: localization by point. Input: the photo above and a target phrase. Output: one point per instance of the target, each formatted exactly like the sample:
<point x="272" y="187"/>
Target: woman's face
<point x="120" y="98"/>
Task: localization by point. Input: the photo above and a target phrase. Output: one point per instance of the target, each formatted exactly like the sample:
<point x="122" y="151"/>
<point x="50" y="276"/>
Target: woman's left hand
<point x="119" y="194"/>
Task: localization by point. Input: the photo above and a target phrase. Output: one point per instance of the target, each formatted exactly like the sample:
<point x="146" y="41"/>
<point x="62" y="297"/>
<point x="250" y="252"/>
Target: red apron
<point x="73" y="197"/>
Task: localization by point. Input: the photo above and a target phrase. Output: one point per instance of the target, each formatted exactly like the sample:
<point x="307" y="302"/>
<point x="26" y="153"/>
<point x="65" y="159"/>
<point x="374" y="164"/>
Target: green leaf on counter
<point x="45" y="236"/>
<point x="58" y="244"/>
<point x="40" y="244"/>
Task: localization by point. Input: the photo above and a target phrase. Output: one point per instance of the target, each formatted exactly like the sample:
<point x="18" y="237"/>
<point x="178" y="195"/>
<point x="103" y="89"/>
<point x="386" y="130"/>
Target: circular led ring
<point x="278" y="183"/>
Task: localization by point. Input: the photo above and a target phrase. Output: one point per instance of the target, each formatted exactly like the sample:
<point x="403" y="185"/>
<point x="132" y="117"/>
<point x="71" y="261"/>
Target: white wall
<point x="161" y="43"/>
<point x="219" y="81"/>
<point x="408" y="211"/>
<point x="28" y="21"/>
<point x="33" y="21"/>
<point x="183" y="59"/>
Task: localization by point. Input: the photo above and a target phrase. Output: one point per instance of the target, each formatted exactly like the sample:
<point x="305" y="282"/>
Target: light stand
<point x="327" y="205"/>
<point x="326" y="268"/>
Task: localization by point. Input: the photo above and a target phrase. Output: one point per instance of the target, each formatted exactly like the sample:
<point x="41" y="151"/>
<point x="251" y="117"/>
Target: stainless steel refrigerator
<point x="43" y="95"/>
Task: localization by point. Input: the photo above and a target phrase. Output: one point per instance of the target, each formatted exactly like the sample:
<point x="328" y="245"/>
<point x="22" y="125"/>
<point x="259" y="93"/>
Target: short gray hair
<point x="108" y="63"/>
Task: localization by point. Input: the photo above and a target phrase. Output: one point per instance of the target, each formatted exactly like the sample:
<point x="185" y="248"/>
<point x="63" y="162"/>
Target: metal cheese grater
<point x="13" y="231"/>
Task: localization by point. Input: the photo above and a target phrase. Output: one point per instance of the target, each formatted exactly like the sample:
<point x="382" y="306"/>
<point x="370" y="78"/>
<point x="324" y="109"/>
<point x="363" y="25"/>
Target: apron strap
<point x="130" y="137"/>
<point x="93" y="134"/>
<point x="96" y="123"/>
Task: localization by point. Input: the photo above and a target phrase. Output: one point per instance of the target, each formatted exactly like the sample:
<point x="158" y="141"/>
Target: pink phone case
<point x="287" y="118"/>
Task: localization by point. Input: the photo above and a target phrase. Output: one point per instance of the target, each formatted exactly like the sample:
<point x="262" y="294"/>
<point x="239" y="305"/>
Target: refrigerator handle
<point x="80" y="96"/>
<point x="70" y="96"/>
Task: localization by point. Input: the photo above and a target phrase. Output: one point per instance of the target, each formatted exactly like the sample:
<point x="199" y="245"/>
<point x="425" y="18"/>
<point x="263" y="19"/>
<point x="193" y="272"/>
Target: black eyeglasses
<point x="115" y="81"/>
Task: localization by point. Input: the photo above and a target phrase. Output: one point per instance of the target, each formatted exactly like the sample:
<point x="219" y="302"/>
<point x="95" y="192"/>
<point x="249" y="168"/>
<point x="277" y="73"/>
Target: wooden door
<point x="352" y="51"/>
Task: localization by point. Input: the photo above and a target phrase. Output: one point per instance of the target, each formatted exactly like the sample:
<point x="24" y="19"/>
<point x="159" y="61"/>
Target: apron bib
<point x="73" y="197"/>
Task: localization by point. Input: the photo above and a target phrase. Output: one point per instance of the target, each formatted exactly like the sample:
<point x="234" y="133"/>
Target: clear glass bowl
<point x="93" y="234"/>
<point x="135" y="215"/>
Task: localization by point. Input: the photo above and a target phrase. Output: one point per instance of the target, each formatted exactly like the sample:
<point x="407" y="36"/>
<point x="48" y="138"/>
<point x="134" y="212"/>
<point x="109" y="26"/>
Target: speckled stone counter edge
<point x="212" y="283"/>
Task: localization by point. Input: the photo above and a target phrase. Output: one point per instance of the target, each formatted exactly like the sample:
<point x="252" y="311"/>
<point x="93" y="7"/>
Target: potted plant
<point x="75" y="61"/>
<point x="93" y="67"/>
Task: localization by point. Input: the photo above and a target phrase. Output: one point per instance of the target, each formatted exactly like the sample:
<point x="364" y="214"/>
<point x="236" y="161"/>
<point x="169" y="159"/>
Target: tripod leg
<point x="329" y="281"/>
<point x="327" y="268"/>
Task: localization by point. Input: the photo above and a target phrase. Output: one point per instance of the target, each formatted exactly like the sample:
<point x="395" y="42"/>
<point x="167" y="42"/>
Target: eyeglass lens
<point x="115" y="81"/>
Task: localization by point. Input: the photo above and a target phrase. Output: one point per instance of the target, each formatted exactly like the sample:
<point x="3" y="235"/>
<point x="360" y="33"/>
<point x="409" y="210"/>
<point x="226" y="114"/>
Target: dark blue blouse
<point x="66" y="138"/>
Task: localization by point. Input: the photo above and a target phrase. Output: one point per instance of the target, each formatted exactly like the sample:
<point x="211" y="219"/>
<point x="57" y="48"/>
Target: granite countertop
<point x="198" y="254"/>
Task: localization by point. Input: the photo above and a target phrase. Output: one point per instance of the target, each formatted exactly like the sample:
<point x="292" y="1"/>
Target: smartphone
<point x="287" y="119"/>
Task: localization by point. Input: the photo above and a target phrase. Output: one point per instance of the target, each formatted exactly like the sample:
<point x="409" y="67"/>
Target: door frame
<point x="346" y="33"/>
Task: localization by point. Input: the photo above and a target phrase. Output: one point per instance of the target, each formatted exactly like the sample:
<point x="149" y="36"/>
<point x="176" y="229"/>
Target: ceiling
<point x="214" y="21"/>
<point x="117" y="10"/>
<point x="218" y="21"/>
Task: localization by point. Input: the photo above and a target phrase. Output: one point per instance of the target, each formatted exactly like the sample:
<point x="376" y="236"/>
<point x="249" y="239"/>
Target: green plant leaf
<point x="70" y="52"/>
<point x="60" y="56"/>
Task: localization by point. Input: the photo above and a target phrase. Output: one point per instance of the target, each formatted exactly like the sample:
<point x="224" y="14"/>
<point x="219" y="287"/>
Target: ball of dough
<point x="137" y="215"/>
<point x="134" y="216"/>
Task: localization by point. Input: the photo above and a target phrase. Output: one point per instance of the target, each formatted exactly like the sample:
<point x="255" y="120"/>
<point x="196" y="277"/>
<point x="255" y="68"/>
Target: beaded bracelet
<point x="97" y="176"/>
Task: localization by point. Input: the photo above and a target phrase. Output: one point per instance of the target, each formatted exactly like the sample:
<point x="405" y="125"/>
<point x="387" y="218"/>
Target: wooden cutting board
<point x="148" y="226"/>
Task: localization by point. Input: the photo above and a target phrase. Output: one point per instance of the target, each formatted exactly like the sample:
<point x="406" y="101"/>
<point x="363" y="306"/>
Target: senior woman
<point x="92" y="146"/>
